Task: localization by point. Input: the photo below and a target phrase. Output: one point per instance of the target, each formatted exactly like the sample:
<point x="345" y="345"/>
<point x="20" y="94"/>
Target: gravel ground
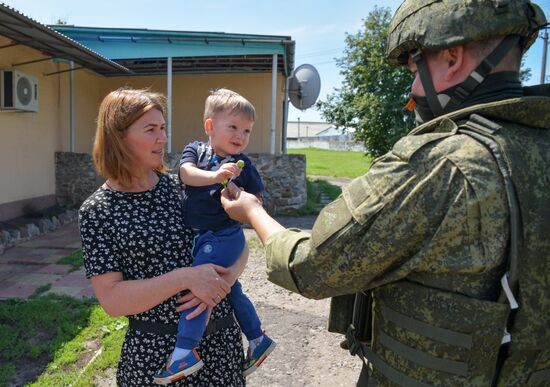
<point x="306" y="354"/>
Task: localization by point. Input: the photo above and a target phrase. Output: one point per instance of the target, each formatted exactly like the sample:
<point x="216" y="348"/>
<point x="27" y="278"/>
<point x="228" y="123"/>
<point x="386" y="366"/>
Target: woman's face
<point x="145" y="139"/>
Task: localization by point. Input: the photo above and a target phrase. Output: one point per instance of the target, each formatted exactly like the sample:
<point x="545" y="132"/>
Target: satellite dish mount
<point x="304" y="86"/>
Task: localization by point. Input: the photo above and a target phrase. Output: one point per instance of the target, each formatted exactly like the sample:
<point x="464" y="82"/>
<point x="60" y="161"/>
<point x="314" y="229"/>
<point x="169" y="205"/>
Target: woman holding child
<point x="138" y="251"/>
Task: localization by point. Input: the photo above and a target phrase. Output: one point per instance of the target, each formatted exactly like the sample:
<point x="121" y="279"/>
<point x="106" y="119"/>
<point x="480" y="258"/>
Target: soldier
<point x="448" y="231"/>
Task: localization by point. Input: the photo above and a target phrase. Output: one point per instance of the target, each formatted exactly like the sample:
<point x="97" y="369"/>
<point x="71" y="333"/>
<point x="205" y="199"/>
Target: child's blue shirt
<point x="201" y="205"/>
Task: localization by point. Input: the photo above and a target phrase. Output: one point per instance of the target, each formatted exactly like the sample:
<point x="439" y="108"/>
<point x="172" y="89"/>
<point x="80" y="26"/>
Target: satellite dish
<point x="304" y="86"/>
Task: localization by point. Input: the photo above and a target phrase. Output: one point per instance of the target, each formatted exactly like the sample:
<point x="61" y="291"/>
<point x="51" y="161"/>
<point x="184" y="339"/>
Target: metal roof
<point x="145" y="51"/>
<point x="24" y="30"/>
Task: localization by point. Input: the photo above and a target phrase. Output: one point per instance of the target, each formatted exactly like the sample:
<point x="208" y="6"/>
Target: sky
<point x="319" y="27"/>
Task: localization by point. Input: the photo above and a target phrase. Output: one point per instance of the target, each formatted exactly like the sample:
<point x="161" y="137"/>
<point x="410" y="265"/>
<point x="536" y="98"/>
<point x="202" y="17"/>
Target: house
<point x="322" y="135"/>
<point x="67" y="70"/>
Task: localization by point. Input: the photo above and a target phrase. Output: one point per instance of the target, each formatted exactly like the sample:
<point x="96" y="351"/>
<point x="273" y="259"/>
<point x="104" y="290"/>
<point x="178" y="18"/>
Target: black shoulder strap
<point x="483" y="130"/>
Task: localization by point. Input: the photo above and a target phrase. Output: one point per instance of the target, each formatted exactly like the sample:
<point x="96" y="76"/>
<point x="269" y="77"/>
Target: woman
<point x="137" y="249"/>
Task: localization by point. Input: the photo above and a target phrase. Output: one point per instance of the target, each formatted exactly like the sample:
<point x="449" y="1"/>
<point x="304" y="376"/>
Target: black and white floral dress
<point x="143" y="235"/>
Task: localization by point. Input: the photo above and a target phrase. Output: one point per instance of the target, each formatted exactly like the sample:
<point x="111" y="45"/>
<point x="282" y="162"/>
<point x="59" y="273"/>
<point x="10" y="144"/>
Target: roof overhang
<point x="24" y="30"/>
<point x="145" y="51"/>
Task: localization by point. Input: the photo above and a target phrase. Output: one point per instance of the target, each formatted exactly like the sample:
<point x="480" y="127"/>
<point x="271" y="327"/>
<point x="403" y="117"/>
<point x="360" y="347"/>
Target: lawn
<point x="51" y="339"/>
<point x="323" y="162"/>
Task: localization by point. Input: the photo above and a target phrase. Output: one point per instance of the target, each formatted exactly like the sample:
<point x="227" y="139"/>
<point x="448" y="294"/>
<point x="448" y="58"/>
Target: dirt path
<point x="306" y="354"/>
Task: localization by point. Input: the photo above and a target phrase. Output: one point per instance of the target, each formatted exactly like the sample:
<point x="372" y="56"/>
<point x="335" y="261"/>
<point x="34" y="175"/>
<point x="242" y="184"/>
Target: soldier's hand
<point x="239" y="204"/>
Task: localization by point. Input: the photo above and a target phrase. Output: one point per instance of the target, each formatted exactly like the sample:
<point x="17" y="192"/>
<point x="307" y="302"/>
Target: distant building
<point x="322" y="135"/>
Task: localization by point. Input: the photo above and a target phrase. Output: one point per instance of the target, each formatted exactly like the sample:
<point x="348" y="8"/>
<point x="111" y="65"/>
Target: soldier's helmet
<point x="440" y="24"/>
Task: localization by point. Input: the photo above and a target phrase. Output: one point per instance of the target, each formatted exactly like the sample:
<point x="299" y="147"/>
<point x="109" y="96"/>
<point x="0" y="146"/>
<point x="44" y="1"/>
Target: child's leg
<point x="221" y="248"/>
<point x="245" y="313"/>
<point x="259" y="344"/>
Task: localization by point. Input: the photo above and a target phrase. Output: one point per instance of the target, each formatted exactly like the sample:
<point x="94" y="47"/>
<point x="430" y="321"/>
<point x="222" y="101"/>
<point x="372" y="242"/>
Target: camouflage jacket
<point x="432" y="214"/>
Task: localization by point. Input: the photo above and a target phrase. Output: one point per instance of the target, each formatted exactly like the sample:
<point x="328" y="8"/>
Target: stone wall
<point x="22" y="229"/>
<point x="75" y="178"/>
<point x="284" y="177"/>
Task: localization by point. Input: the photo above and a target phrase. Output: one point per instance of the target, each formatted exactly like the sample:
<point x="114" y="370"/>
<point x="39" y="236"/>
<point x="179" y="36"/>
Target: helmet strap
<point x="426" y="79"/>
<point x="443" y="103"/>
<point x="477" y="76"/>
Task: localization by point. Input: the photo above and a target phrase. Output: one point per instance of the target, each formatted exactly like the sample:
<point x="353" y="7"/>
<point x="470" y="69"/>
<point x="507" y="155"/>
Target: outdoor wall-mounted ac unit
<point x="19" y="91"/>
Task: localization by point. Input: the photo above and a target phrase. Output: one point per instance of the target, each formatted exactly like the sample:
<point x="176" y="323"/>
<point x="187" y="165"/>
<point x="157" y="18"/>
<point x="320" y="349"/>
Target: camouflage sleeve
<point x="414" y="208"/>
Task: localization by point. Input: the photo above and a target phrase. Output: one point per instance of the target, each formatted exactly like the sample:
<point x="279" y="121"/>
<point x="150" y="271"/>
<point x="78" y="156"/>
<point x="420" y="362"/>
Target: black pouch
<point x="352" y="309"/>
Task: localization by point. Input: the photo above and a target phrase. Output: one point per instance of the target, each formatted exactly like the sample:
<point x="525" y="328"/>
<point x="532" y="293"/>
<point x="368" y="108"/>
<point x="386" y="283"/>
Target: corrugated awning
<point x="24" y="30"/>
<point x="145" y="51"/>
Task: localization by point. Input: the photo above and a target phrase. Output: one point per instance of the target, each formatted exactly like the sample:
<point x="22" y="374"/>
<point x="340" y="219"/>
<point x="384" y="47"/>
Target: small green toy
<point x="240" y="164"/>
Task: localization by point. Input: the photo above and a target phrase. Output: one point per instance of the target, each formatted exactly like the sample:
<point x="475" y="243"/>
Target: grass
<point x="320" y="162"/>
<point x="30" y="331"/>
<point x="89" y="354"/>
<point x="51" y="339"/>
<point x="315" y="190"/>
<point x="75" y="260"/>
<point x="334" y="163"/>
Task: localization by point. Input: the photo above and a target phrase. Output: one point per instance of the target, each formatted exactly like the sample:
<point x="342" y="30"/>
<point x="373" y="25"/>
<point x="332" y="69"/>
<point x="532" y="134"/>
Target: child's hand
<point x="227" y="171"/>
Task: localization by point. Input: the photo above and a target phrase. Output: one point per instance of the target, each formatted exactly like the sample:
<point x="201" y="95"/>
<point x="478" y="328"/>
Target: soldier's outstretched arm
<point x="377" y="231"/>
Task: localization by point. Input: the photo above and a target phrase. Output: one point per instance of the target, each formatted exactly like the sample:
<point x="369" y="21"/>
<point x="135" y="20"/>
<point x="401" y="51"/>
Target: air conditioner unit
<point x="19" y="91"/>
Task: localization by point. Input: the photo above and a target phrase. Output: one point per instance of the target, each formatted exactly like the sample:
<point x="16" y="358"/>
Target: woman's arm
<point x="121" y="297"/>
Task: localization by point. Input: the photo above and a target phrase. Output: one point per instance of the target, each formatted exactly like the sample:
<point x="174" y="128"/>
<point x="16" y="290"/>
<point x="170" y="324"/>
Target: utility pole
<point x="298" y="128"/>
<point x="544" y="52"/>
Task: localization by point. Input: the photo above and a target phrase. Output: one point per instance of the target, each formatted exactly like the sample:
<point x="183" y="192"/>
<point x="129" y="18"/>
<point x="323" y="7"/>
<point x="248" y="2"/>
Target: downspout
<point x="71" y="108"/>
<point x="169" y="103"/>
<point x="285" y="118"/>
<point x="273" y="103"/>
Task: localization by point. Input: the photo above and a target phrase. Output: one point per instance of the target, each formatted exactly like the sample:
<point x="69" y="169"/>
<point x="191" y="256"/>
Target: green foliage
<point x="323" y="162"/>
<point x="525" y="72"/>
<point x="54" y="338"/>
<point x="101" y="340"/>
<point x="41" y="289"/>
<point x="32" y="331"/>
<point x="315" y="189"/>
<point x="75" y="260"/>
<point x="327" y="189"/>
<point x="373" y="92"/>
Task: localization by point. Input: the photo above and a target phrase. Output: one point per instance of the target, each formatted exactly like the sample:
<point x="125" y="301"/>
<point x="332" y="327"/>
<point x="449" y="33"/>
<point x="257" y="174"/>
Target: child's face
<point x="229" y="134"/>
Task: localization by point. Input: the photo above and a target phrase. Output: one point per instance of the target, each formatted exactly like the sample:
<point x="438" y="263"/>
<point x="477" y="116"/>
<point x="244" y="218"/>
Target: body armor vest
<point x="449" y="339"/>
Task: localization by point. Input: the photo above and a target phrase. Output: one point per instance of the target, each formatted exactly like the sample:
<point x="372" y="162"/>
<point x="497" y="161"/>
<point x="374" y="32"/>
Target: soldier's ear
<point x="454" y="57"/>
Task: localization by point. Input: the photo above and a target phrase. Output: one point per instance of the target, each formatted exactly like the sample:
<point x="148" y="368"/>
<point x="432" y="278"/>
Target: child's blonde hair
<point x="225" y="100"/>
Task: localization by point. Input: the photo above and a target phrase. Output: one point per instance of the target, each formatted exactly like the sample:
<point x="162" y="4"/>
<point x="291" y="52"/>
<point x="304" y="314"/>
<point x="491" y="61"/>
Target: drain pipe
<point x="71" y="108"/>
<point x="273" y="103"/>
<point x="169" y="103"/>
<point x="285" y="118"/>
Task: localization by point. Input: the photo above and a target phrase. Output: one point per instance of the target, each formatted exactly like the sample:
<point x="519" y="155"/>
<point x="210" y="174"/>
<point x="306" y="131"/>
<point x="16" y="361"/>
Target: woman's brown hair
<point x="118" y="110"/>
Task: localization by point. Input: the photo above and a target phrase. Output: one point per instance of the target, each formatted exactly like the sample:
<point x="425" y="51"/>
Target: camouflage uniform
<point x="428" y="230"/>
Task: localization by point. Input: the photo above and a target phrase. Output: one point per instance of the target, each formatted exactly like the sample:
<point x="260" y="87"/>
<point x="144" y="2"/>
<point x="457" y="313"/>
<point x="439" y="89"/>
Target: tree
<point x="525" y="72"/>
<point x="373" y="92"/>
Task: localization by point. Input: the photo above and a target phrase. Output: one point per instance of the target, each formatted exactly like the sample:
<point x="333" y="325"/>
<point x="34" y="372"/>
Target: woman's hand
<point x="204" y="282"/>
<point x="191" y="301"/>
